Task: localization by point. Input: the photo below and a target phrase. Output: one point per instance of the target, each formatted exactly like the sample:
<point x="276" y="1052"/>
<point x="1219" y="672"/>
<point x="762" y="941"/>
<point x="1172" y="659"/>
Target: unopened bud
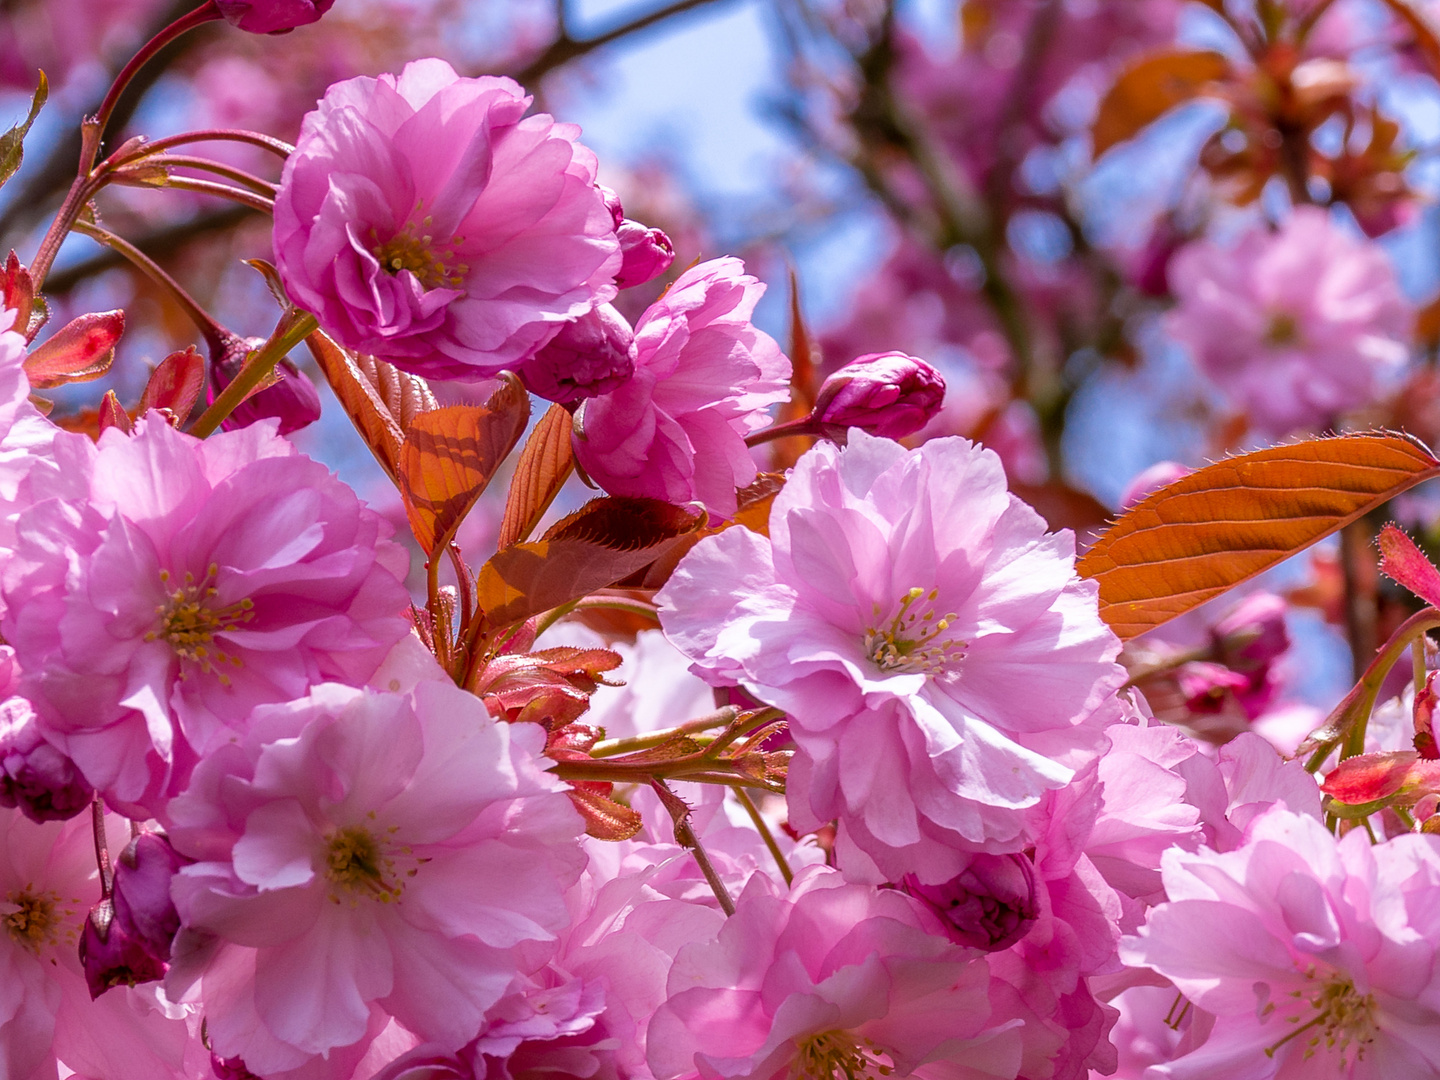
<point x="34" y="776"/>
<point x="647" y="254"/>
<point x="111" y="956"/>
<point x="886" y="394"/>
<point x="142" y="892"/>
<point x="589" y="357"/>
<point x="990" y="905"/>
<point x="293" y="400"/>
<point x="272" y="16"/>
<point x="612" y="203"/>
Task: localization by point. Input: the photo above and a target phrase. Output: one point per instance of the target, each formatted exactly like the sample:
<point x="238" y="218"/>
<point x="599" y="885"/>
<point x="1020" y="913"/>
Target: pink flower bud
<point x="647" y="253"/>
<point x="591" y="356"/>
<point x="886" y="394"/>
<point x="293" y="400"/>
<point x="143" y="908"/>
<point x="990" y="905"/>
<point x="35" y="776"/>
<point x="612" y="203"/>
<point x="272" y="16"/>
<point x="111" y="956"/>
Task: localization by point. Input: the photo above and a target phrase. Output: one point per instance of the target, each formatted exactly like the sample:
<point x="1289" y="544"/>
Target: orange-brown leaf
<point x="1207" y="532"/>
<point x="381" y="401"/>
<point x="175" y="385"/>
<point x="753" y="513"/>
<point x="604" y="542"/>
<point x="605" y="819"/>
<point x="541" y="471"/>
<point x="449" y="457"/>
<point x="81" y="350"/>
<point x="1151" y="87"/>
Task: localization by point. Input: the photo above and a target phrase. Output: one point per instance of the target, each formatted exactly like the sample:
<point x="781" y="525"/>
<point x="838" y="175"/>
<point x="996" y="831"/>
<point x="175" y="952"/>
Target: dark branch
<point x="565" y="48"/>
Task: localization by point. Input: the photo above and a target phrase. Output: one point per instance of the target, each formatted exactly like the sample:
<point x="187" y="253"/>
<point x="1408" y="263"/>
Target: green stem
<point x="256" y="369"/>
<point x="763" y="828"/>
<point x="614" y="747"/>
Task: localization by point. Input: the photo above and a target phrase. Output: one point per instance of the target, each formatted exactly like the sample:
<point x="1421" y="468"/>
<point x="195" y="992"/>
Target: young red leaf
<point x="381" y="401"/>
<point x="113" y="414"/>
<point x="1400" y="776"/>
<point x="81" y="350"/>
<point x="17" y="292"/>
<point x="1405" y="564"/>
<point x="604" y="542"/>
<point x="605" y="819"/>
<point x="545" y="464"/>
<point x="175" y="385"/>
<point x="1194" y="539"/>
<point x="1151" y="87"/>
<point x="449" y="457"/>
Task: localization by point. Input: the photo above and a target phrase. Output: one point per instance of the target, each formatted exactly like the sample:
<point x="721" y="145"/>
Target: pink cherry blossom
<point x="941" y="665"/>
<point x="1297" y="326"/>
<point x="425" y="219"/>
<point x="704" y="379"/>
<point x="833" y="979"/>
<point x="1315" y="957"/>
<point x="48" y="882"/>
<point x="175" y="584"/>
<point x="360" y="851"/>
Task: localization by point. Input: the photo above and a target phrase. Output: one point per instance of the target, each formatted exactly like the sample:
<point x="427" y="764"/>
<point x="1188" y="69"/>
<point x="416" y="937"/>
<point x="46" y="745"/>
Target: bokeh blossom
<point x="425" y="219"/>
<point x="704" y="379"/>
<point x="174" y="584"/>
<point x="361" y="850"/>
<point x="941" y="665"/>
<point x="1295" y="327"/>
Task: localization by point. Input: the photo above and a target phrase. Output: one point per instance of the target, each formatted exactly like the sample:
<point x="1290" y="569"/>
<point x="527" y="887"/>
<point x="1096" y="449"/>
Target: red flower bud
<point x="293" y="400"/>
<point x="272" y="16"/>
<point x="647" y="254"/>
<point x="589" y="357"/>
<point x="886" y="394"/>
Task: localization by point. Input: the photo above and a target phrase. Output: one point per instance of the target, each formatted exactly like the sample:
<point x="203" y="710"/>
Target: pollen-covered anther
<point x="32" y="917"/>
<point x="190" y="618"/>
<point x="1344" y="1020"/>
<point x="914" y="642"/>
<point x="358" y="864"/>
<point x="836" y="1055"/>
<point x="434" y="265"/>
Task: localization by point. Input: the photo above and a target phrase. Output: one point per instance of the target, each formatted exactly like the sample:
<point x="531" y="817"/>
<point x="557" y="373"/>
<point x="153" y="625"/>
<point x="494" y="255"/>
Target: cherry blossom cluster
<point x="819" y="763"/>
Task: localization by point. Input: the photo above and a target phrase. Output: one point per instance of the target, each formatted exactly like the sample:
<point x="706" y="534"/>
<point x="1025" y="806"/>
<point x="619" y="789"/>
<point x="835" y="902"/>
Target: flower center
<point x="1344" y="1019"/>
<point x="433" y="266"/>
<point x="189" y="622"/>
<point x="913" y="642"/>
<point x="35" y="920"/>
<point x="835" y="1054"/>
<point x="357" y="863"/>
<point x="1283" y="330"/>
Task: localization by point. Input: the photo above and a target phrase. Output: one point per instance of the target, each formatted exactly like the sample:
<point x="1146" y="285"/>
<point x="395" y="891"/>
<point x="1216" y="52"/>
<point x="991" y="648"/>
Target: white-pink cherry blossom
<point x="941" y="664"/>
